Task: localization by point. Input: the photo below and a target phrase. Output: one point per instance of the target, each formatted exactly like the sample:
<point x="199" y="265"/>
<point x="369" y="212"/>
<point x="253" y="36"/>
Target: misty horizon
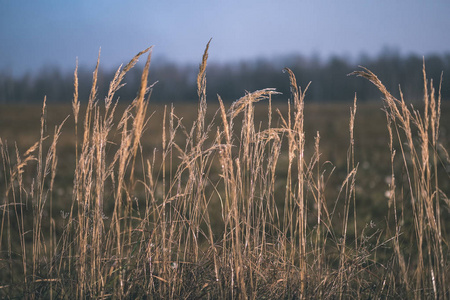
<point x="158" y="59"/>
<point x="36" y="34"/>
<point x="177" y="82"/>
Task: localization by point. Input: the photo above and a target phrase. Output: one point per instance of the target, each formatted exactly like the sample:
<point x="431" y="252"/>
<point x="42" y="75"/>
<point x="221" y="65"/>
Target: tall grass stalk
<point x="223" y="207"/>
<point x="417" y="137"/>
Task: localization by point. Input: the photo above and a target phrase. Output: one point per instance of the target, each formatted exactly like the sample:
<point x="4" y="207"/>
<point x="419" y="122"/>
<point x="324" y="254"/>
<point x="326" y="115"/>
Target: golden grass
<point x="224" y="208"/>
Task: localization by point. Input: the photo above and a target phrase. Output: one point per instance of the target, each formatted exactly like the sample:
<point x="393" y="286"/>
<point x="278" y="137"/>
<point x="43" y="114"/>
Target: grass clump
<point x="226" y="208"/>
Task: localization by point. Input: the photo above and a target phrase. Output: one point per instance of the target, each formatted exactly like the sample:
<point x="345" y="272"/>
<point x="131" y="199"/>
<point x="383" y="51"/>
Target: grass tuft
<point x="223" y="207"/>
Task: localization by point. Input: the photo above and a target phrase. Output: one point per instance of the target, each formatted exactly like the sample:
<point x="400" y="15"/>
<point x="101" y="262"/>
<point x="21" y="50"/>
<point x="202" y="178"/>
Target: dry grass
<point x="227" y="207"/>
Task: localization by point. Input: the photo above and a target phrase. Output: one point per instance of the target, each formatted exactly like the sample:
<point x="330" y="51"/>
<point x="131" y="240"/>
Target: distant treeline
<point x="329" y="80"/>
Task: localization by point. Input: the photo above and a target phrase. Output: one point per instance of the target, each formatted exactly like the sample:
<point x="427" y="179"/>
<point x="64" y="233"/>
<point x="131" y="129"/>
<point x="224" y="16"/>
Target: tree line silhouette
<point x="329" y="80"/>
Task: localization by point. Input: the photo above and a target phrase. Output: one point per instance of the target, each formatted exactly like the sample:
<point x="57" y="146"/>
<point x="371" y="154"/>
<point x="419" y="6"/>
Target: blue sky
<point x="37" y="33"/>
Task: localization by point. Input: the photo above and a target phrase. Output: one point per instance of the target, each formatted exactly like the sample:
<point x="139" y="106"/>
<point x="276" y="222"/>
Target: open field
<point x="246" y="200"/>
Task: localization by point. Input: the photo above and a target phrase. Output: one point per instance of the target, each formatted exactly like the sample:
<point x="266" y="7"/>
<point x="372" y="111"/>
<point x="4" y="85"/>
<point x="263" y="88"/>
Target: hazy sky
<point x="35" y="33"/>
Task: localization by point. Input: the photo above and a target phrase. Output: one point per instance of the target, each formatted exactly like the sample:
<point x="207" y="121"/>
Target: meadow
<point x="255" y="199"/>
